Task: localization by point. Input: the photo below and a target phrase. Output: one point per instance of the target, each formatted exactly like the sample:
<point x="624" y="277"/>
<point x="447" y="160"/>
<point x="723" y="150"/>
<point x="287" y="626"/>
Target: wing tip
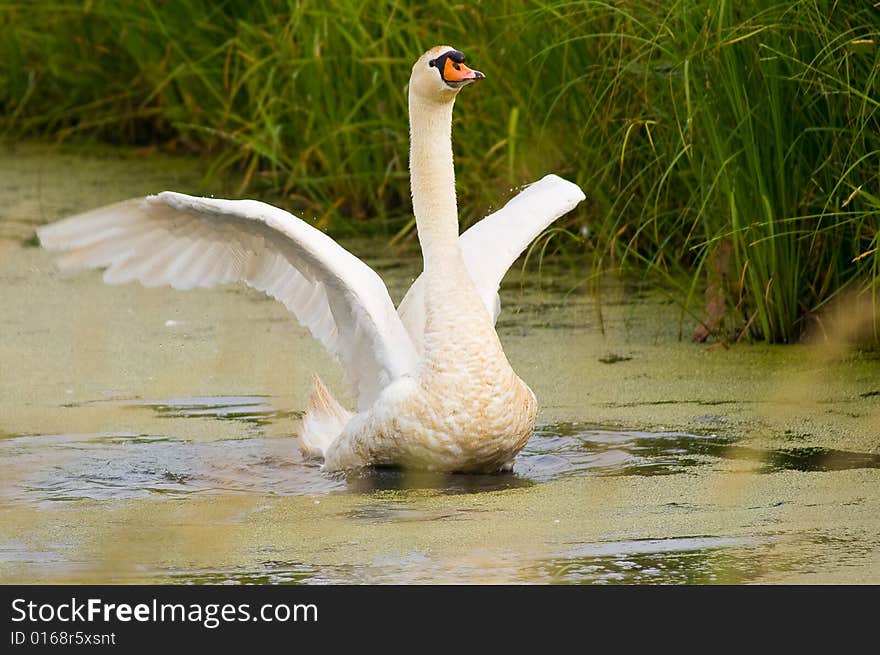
<point x="54" y="237"/>
<point x="569" y="187"/>
<point x="44" y="236"/>
<point x="171" y="198"/>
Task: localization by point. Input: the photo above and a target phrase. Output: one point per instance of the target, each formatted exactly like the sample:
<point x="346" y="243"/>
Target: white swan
<point x="433" y="386"/>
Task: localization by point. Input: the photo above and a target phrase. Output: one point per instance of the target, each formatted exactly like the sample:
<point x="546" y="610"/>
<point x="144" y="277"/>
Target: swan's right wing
<point x="491" y="246"/>
<point x="187" y="242"/>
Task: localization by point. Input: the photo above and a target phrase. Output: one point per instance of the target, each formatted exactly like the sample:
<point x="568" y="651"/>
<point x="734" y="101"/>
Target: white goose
<point x="433" y="386"/>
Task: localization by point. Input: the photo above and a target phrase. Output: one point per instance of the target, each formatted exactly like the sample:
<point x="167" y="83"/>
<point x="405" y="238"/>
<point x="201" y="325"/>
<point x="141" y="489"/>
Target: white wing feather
<point x="187" y="242"/>
<point x="491" y="246"/>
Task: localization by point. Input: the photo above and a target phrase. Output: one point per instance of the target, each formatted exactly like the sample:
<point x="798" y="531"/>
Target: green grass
<point x="696" y="127"/>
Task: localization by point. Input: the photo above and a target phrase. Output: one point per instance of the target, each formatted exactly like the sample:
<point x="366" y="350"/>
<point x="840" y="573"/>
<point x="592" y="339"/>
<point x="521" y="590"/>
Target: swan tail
<point x="323" y="421"/>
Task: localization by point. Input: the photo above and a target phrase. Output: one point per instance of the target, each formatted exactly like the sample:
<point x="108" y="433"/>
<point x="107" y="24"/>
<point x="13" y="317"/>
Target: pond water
<point x="146" y="435"/>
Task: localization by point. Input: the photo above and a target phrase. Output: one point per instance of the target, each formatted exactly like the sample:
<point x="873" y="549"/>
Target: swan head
<point x="440" y="74"/>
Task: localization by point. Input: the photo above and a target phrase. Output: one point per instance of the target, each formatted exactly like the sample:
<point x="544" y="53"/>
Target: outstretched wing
<point x="187" y="242"/>
<point x="492" y="245"/>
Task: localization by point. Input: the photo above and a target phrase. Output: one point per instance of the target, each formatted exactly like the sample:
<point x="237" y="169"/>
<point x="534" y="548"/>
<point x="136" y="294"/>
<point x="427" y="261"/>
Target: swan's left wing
<point x="187" y="242"/>
<point x="491" y="246"/>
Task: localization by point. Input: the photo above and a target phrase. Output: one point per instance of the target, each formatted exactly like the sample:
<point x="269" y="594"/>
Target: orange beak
<point x="456" y="72"/>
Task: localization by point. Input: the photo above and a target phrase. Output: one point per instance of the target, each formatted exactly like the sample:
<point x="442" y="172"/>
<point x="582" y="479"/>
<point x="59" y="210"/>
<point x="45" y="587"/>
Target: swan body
<point x="434" y="388"/>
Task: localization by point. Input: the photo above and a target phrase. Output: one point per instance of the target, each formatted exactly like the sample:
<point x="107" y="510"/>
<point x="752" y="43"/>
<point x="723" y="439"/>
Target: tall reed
<point x="731" y="143"/>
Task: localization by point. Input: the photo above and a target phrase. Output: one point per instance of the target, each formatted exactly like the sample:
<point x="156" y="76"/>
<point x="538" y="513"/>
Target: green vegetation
<point x="734" y="145"/>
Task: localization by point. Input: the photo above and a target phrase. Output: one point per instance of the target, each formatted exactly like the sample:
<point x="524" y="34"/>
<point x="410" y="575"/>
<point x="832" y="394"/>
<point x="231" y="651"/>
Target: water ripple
<point x="62" y="467"/>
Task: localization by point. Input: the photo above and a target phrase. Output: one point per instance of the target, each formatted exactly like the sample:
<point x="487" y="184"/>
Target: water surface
<point x="147" y="435"/>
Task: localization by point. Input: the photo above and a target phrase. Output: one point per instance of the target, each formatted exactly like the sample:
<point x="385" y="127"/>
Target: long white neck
<point x="458" y="327"/>
<point x="432" y="176"/>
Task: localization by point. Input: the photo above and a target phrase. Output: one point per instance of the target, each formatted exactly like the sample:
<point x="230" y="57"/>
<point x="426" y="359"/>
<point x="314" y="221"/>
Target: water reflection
<point x="256" y="410"/>
<point x="106" y="466"/>
<point x="678" y="560"/>
<point x="396" y="479"/>
<point x="572" y="449"/>
<point x="818" y="459"/>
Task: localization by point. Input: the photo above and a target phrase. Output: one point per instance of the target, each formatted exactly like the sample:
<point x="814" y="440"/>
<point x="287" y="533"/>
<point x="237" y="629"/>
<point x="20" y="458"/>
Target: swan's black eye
<point x="457" y="58"/>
